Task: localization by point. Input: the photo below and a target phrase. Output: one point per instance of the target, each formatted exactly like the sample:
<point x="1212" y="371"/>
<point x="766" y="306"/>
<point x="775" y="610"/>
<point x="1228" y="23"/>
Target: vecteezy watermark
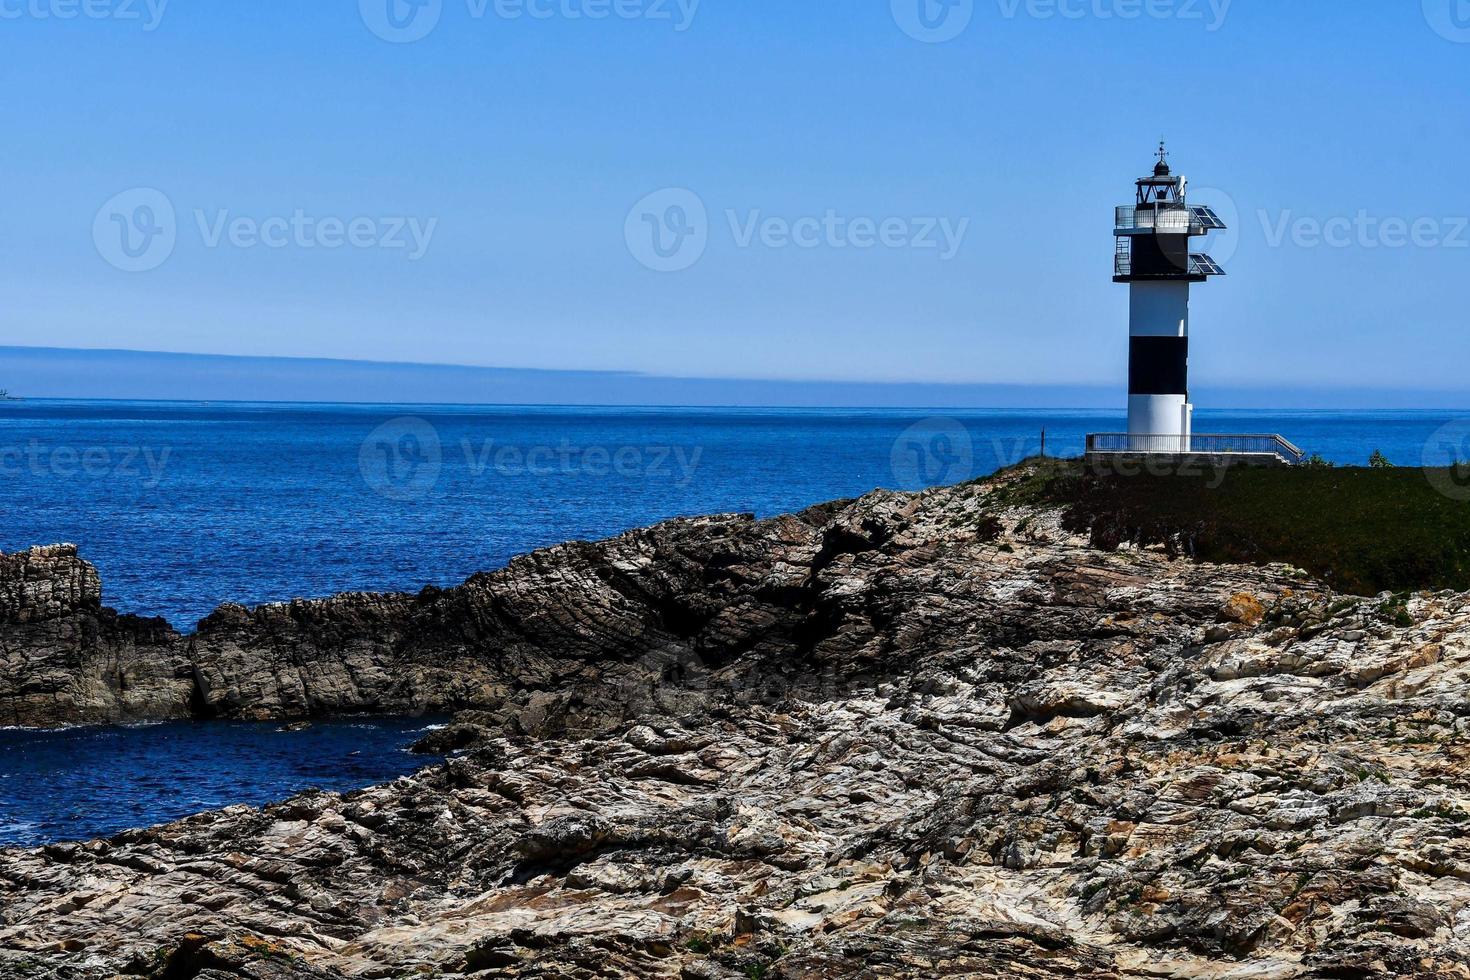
<point x="937" y="21"/>
<point x="939" y="451"/>
<point x="1220" y="244"/>
<point x="143" y="463"/>
<point x="933" y="452"/>
<point x="301" y="230"/>
<point x="838" y="231"/>
<point x="669" y="231"/>
<point x="1187" y="465"/>
<point x="1446" y="460"/>
<point x="678" y="463"/>
<point x="1364" y="230"/>
<point x="407" y="21"/>
<point x="404" y="459"/>
<point x="1450" y="19"/>
<point x="1211" y="13"/>
<point x="138" y="230"/>
<point x="401" y="459"/>
<point x="933" y="21"/>
<point x="146" y="13"/>
<point x="401" y="21"/>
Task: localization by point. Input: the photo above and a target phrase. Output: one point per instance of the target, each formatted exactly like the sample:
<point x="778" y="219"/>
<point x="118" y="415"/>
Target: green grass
<point x="1362" y="531"/>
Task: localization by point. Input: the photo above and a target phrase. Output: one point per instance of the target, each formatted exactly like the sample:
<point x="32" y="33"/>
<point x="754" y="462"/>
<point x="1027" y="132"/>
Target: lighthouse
<point x="1152" y="256"/>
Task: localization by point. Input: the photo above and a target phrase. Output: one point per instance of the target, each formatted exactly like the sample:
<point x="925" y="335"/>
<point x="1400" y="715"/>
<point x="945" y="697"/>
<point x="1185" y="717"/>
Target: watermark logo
<point x="1211" y="13"/>
<point x="668" y="230"/>
<point x="1222" y="243"/>
<point x="833" y="230"/>
<point x="1449" y="18"/>
<point x="677" y="463"/>
<point x="931" y="453"/>
<point x="401" y="459"/>
<point x="933" y="21"/>
<point x="136" y="231"/>
<point x="401" y="21"/>
<point x="938" y="21"/>
<point x="405" y="458"/>
<point x="1446" y="460"/>
<point x="410" y="235"/>
<point x="679" y="13"/>
<point x="407" y="21"/>
<point x="142" y="463"/>
<point x="1364" y="230"/>
<point x="148" y="13"/>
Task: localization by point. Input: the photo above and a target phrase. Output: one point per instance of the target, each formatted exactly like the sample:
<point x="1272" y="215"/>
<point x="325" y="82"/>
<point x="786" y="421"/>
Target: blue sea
<point x="81" y="783"/>
<point x="182" y="506"/>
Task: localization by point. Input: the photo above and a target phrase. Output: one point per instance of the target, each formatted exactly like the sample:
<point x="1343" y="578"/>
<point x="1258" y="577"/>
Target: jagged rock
<point x="905" y="736"/>
<point x="65" y="659"/>
<point x="449" y="739"/>
<point x="46" y="583"/>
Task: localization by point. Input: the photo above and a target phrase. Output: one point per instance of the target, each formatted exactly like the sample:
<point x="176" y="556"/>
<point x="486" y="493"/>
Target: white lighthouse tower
<point x="1153" y="258"/>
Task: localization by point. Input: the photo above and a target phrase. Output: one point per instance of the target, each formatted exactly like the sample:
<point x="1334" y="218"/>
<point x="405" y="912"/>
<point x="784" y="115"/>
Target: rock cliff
<point x="46" y="583"/>
<point x="905" y="736"/>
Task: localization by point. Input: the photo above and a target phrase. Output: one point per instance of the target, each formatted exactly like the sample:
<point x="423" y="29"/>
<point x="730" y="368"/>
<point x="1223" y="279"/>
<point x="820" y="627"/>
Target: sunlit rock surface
<point x="906" y="736"/>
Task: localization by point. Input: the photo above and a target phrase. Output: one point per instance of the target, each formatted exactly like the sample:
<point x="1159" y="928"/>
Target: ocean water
<point x="184" y="506"/>
<point x="81" y="783"/>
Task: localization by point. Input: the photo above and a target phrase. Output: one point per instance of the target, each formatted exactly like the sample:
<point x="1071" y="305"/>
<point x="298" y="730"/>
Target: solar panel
<point x="1206" y="217"/>
<point x="1203" y="265"/>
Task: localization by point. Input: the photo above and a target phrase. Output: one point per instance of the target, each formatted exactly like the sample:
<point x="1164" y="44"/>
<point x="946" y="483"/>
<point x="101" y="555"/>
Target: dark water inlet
<point x="80" y="783"/>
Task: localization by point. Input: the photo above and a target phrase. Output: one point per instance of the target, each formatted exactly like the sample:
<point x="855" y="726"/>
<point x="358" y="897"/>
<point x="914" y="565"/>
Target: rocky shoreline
<point x="904" y="736"/>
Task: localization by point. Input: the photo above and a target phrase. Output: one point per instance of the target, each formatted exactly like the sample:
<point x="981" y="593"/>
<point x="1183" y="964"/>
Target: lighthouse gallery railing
<point x="1207" y="445"/>
<point x="1185" y="219"/>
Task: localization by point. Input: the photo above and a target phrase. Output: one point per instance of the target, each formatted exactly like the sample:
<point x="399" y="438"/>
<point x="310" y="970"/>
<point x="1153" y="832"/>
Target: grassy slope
<point x="1363" y="531"/>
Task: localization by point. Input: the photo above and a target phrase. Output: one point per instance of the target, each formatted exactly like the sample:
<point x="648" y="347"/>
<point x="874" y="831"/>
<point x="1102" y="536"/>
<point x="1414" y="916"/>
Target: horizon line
<point x="633" y="374"/>
<point x="938" y="409"/>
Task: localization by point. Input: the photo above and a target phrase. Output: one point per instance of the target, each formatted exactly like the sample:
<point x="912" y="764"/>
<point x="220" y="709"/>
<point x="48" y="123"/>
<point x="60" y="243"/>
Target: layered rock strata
<point x="906" y="736"/>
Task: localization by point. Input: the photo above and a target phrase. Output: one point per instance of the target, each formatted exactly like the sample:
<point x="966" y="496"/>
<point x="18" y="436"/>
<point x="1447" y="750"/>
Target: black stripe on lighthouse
<point x="1160" y="256"/>
<point x="1158" y="366"/>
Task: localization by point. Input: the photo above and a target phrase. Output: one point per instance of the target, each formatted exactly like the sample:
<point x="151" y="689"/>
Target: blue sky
<point x="472" y="196"/>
